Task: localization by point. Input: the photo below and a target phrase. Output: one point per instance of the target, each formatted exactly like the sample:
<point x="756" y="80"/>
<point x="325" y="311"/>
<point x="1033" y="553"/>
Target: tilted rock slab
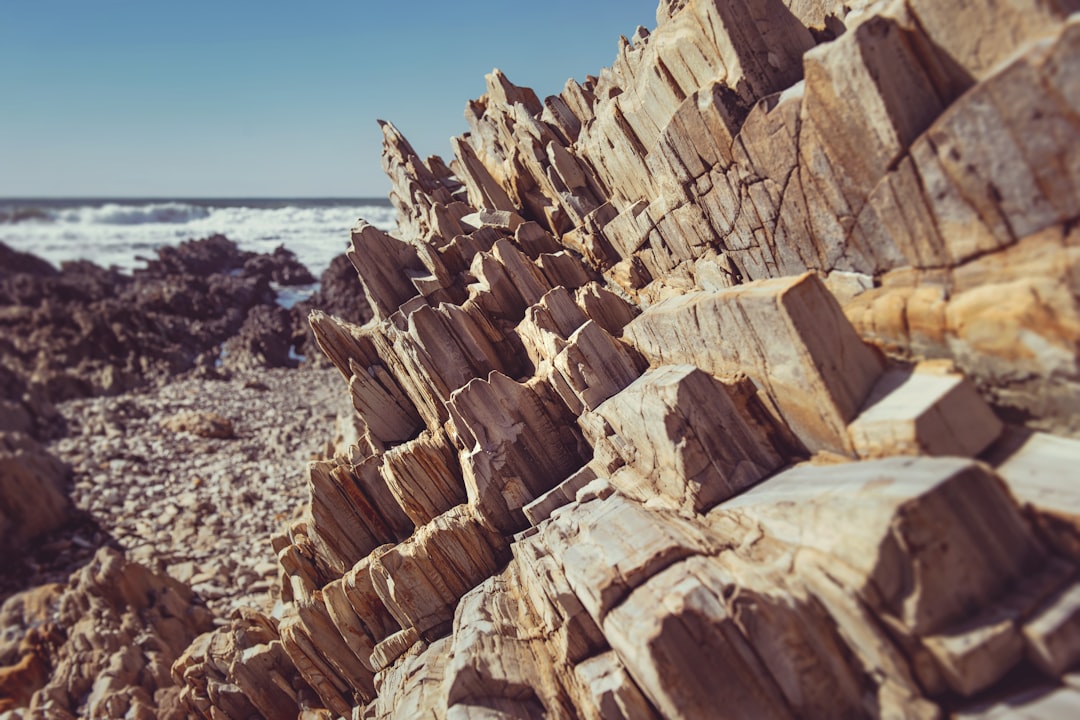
<point x="645" y="424"/>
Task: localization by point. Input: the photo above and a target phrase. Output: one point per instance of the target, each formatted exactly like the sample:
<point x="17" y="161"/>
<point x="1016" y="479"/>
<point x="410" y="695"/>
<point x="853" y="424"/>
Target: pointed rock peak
<point x="668" y="9"/>
<point x="505" y="92"/>
<point x="393" y="136"/>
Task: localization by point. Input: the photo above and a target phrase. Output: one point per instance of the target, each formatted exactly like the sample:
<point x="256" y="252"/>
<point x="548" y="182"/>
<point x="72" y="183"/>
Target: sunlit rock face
<point x="737" y="381"/>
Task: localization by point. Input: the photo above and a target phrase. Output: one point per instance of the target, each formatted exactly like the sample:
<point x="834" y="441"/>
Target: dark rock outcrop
<point x="33" y="492"/>
<point x="85" y="330"/>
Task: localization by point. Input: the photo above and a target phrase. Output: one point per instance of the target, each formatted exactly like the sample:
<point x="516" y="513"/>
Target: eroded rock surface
<point x="736" y="381"/>
<point x="696" y="390"/>
<point x="101" y="646"/>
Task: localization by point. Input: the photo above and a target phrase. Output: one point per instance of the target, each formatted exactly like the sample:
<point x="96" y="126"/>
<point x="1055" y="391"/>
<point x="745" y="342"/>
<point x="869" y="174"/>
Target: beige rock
<point x="113" y="635"/>
<point x="247" y="655"/>
<point x="608" y="547"/>
<point x="421" y="580"/>
<point x="564" y="493"/>
<point x="530" y="522"/>
<point x="612" y="693"/>
<point x="984" y="43"/>
<point x="569" y="631"/>
<point x="495" y="655"/>
<point x="921" y="413"/>
<point x="383" y="263"/>
<point x="387" y="412"/>
<point x="677" y="640"/>
<point x="392" y="647"/>
<point x="595" y="366"/>
<point x="500" y="219"/>
<point x="990" y="550"/>
<point x="692" y="440"/>
<point x="788" y="335"/>
<point x="1038" y="469"/>
<point x="412" y="688"/>
<point x="516" y="445"/>
<point x="202" y="424"/>
<point x="359" y="587"/>
<point x="353" y="510"/>
<point x="424" y="476"/>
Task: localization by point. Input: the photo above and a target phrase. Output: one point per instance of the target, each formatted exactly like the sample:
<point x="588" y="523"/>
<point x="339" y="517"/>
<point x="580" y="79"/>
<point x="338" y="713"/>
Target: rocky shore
<point x="741" y="380"/>
<point x="195" y="477"/>
<point x="155" y="437"/>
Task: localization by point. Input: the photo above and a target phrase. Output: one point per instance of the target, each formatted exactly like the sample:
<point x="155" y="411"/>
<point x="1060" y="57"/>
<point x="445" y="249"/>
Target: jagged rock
<point x="421" y="580"/>
<point x="612" y="693"/>
<point x="281" y="266"/>
<point x="1038" y="469"/>
<point x="88" y="331"/>
<point x="718" y="439"/>
<point x="606" y="337"/>
<point x="815" y="367"/>
<point x="263" y="341"/>
<point x="14" y="261"/>
<point x="340" y="294"/>
<point x="425" y="477"/>
<point x="595" y="366"/>
<point x="513" y="447"/>
<point x="114" y="633"/>
<point x="923" y="413"/>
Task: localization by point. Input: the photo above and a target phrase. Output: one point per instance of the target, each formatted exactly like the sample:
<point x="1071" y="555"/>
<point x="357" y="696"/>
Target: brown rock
<point x="202" y="424"/>
<point x="815" y="367"/>
<point x="33" y="490"/>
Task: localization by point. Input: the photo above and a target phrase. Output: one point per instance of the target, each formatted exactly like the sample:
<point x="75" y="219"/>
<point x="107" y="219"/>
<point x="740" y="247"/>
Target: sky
<point x="116" y="98"/>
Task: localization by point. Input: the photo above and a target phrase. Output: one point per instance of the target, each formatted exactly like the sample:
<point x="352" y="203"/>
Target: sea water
<point x="118" y="232"/>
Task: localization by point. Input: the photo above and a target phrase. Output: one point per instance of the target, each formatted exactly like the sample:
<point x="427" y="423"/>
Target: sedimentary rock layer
<point x="710" y="387"/>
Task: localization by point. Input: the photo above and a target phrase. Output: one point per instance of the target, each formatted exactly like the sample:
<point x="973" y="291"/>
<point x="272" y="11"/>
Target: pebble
<point x="202" y="509"/>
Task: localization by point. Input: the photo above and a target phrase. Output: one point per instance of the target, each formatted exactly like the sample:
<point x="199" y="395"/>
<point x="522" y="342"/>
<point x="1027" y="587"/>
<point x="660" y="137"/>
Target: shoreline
<point x="201" y="509"/>
<point x="116" y="230"/>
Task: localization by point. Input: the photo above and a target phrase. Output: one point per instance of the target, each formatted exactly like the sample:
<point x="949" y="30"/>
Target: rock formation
<point x="739" y="381"/>
<point x="84" y="330"/>
<point x="100" y="647"/>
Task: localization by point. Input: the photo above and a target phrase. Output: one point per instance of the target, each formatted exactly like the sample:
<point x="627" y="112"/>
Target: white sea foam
<point x="173" y="213"/>
<point x="118" y="233"/>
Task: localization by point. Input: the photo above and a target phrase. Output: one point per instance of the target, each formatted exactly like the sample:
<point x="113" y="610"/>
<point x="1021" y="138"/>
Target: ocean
<point x="118" y="231"/>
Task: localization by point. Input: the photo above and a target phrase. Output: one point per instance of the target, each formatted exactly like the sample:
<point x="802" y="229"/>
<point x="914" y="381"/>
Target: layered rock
<point x="101" y="647"/>
<point x="647" y="427"/>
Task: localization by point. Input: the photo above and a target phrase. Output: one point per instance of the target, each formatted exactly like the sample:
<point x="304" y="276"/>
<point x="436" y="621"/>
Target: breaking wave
<point x="118" y="232"/>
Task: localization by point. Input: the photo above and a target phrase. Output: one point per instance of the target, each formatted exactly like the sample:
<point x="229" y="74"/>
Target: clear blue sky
<point x="230" y="98"/>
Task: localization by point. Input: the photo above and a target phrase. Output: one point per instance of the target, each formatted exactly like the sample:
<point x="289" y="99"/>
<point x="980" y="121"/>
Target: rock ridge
<point x="737" y="381"/>
<point x="716" y="386"/>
